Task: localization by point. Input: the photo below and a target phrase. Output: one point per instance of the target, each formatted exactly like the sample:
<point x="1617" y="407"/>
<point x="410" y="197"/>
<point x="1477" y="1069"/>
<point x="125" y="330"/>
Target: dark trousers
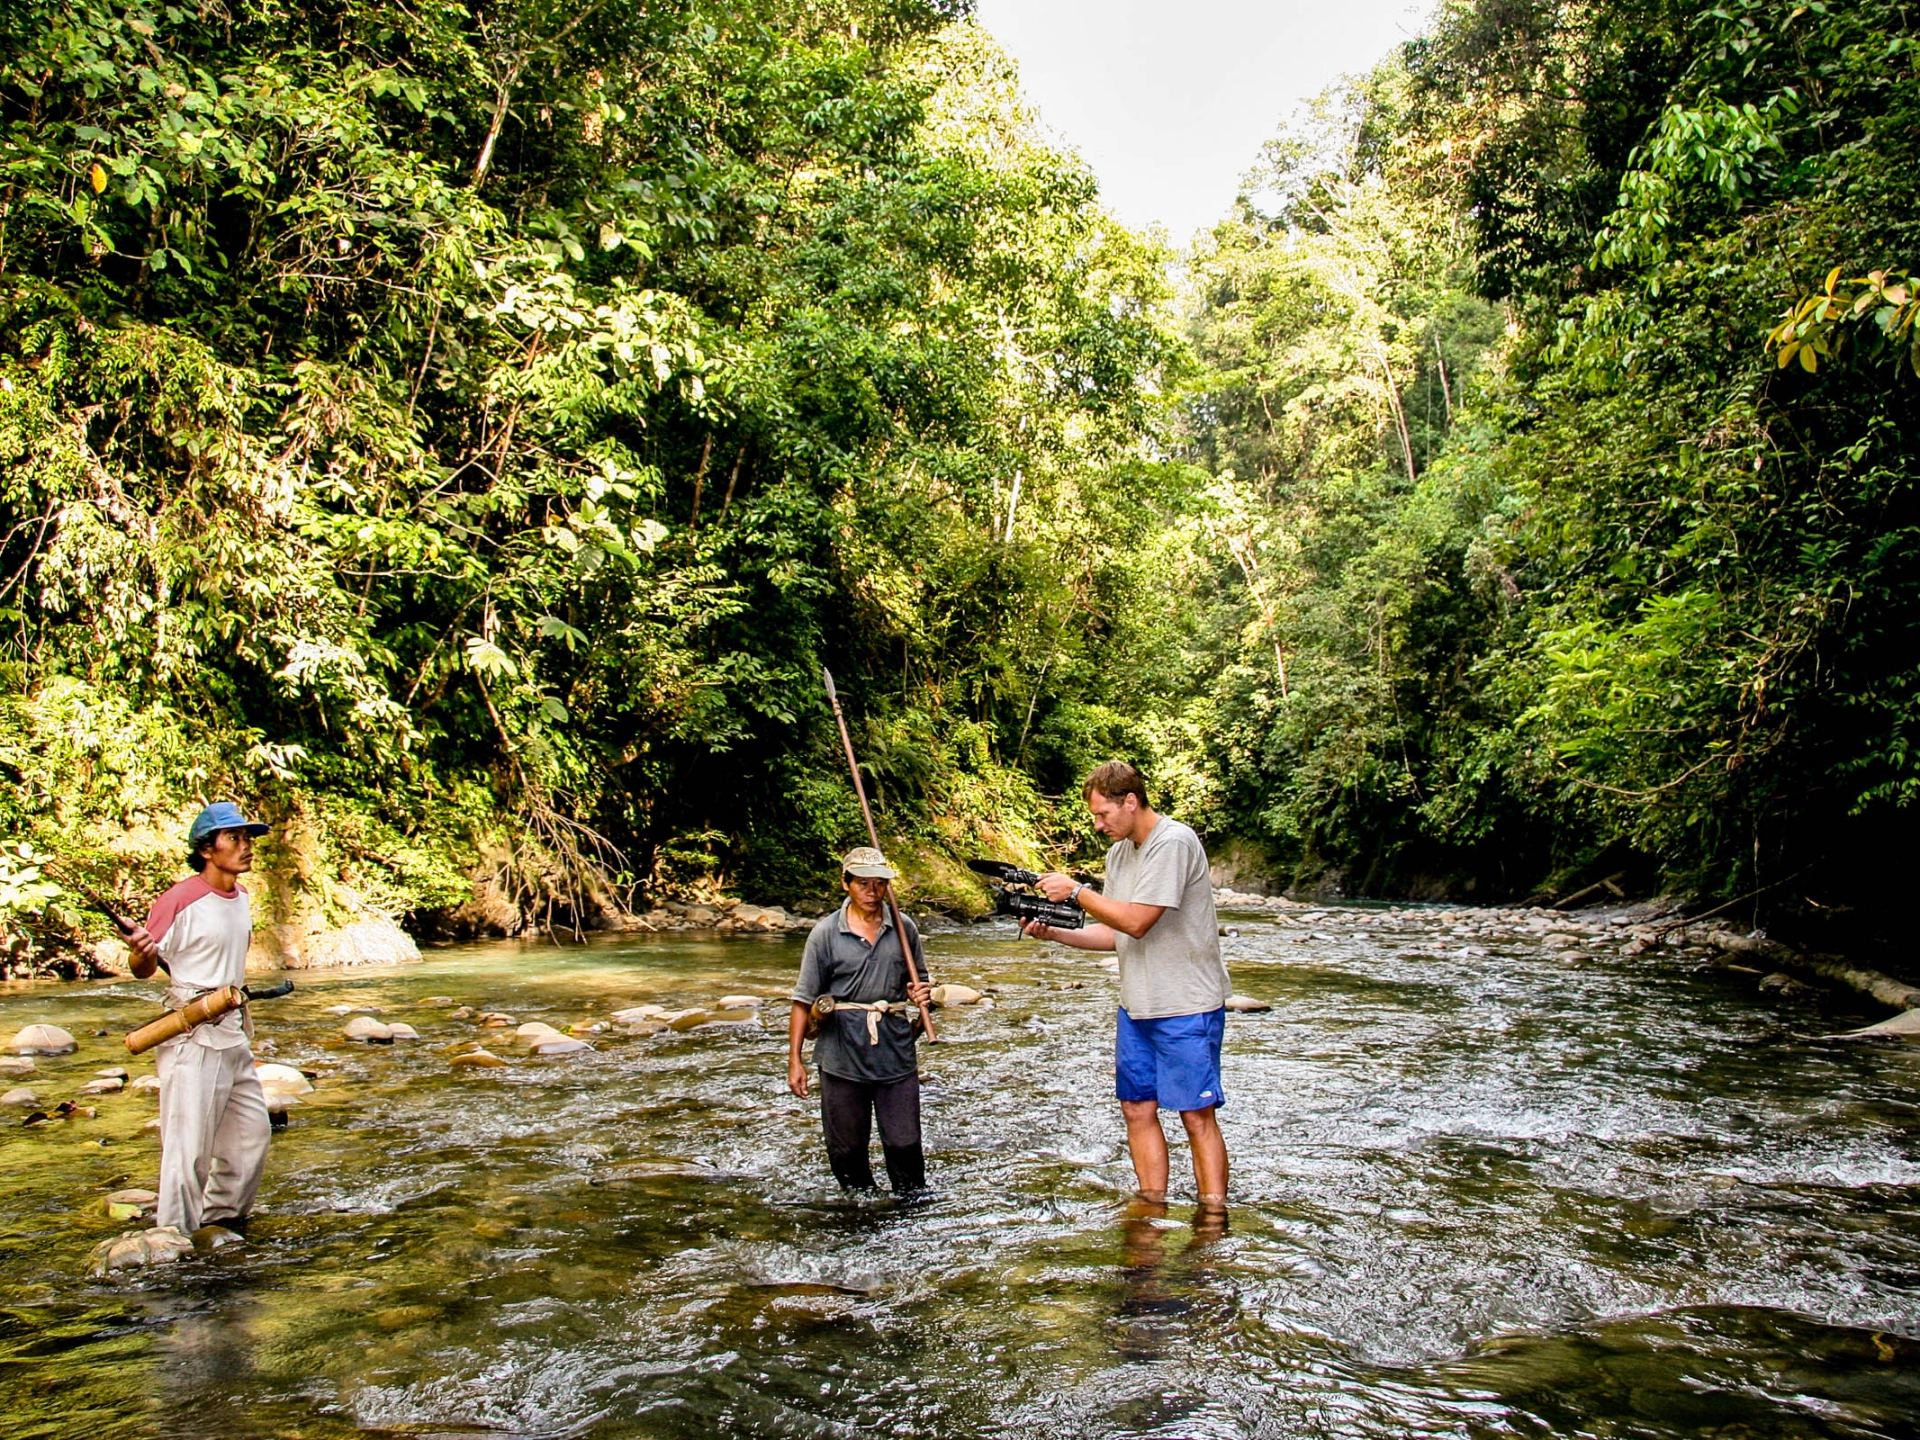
<point x="847" y="1111"/>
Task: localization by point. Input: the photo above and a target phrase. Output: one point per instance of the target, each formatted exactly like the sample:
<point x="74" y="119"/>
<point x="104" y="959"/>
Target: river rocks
<point x="643" y="1027"/>
<point x="587" y="1027"/>
<point x="368" y="1029"/>
<point x="42" y="1040"/>
<point x="1246" y="1005"/>
<point x="340" y="1009"/>
<point x="559" y="1045"/>
<point x="945" y="995"/>
<point x="497" y="1020"/>
<point x="209" y="1238"/>
<point x="1784" y="985"/>
<point x="1904" y="1026"/>
<point x="284" y="1078"/>
<point x="687" y="1019"/>
<point x="700" y="915"/>
<point x="438" y="1001"/>
<point x="12" y="1066"/>
<point x="144" y="1084"/>
<point x="641" y="1012"/>
<point x="130" y="1204"/>
<point x="20" y="1096"/>
<point x="477" y="1060"/>
<point x="102" y="1087"/>
<point x="143" y="1249"/>
<point x="741" y="1002"/>
<point x="730" y="1017"/>
<point x="756" y="917"/>
<point x="465" y="1012"/>
<point x="536" y="1030"/>
<point x="402" y="1031"/>
<point x="112" y="1072"/>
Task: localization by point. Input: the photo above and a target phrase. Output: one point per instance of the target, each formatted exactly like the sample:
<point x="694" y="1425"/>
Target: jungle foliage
<point x="464" y="434"/>
<point x="470" y="430"/>
<point x="1636" y="590"/>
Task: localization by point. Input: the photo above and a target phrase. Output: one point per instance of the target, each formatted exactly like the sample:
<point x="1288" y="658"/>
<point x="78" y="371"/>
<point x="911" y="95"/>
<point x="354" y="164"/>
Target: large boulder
<point x="42" y="1040"/>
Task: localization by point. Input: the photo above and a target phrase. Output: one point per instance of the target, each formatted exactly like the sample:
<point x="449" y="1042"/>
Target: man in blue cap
<point x="213" y="1113"/>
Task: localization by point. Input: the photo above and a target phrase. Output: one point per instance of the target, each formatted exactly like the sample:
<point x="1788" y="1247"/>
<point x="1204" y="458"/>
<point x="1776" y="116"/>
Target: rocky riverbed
<point x="1494" y="1175"/>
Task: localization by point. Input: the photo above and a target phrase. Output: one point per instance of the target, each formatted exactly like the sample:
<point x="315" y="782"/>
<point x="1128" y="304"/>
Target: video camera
<point x="1022" y="905"/>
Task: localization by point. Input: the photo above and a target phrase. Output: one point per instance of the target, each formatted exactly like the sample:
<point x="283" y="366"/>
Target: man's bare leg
<point x="1209" y="1154"/>
<point x="1147" y="1143"/>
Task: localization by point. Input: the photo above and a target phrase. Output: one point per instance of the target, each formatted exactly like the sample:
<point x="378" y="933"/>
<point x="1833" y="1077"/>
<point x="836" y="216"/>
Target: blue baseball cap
<point x="222" y="815"/>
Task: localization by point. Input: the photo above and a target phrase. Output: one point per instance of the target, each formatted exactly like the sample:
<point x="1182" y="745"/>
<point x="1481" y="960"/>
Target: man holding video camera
<point x="1157" y="913"/>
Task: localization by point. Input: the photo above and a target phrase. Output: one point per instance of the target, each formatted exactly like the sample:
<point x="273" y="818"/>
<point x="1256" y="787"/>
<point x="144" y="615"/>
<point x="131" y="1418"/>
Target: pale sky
<point x="1170" y="100"/>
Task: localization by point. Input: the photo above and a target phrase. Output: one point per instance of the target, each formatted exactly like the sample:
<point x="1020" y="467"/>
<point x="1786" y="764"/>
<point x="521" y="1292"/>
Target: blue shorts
<point x="1175" y="1060"/>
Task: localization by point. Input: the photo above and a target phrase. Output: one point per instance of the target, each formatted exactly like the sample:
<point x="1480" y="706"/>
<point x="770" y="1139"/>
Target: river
<point x="1482" y="1186"/>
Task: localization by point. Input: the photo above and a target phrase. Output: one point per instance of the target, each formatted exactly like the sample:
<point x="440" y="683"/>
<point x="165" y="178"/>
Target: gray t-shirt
<point x="1175" y="968"/>
<point x="839" y="963"/>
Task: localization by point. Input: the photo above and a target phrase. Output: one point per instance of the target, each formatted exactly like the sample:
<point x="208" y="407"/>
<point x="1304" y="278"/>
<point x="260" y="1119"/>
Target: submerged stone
<point x="42" y="1040"/>
<point x="366" y="1028"/>
<point x="162" y="1245"/>
<point x="20" y="1096"/>
<point x="560" y="1045"/>
<point x="209" y="1238"/>
<point x="476" y="1060"/>
<point x="147" y="1084"/>
<point x="1246" y="1004"/>
<point x="102" y="1087"/>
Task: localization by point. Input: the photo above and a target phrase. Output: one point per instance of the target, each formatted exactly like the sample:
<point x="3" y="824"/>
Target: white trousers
<point x="213" y="1134"/>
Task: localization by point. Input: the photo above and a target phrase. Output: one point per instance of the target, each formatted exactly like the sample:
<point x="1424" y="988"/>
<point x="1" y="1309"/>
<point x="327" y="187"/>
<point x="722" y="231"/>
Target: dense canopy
<point x="463" y="435"/>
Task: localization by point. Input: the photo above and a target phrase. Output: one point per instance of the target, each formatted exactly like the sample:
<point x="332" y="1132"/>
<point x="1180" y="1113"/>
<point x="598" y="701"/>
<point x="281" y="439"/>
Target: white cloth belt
<point x="874" y="1011"/>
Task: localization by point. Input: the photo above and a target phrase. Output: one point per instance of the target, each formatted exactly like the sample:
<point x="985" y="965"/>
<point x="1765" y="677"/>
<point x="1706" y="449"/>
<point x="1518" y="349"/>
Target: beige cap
<point x="868" y="863"/>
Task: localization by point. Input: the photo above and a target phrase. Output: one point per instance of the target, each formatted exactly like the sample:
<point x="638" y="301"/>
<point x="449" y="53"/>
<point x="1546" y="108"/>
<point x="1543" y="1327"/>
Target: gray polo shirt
<point x="838" y="962"/>
<point x="1175" y="968"/>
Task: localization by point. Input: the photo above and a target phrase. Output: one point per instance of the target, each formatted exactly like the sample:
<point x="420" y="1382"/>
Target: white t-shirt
<point x="203" y="934"/>
<point x="1176" y="967"/>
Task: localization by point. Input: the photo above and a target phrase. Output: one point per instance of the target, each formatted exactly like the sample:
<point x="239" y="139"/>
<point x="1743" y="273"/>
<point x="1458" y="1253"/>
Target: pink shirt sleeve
<point x="168" y="907"/>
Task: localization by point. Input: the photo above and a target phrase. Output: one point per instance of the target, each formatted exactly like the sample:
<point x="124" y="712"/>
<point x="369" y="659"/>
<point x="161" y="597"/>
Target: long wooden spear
<point x="893" y="905"/>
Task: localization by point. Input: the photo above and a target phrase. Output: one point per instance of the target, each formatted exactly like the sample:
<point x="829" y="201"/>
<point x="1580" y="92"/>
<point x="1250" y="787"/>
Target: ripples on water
<point x="1475" y="1194"/>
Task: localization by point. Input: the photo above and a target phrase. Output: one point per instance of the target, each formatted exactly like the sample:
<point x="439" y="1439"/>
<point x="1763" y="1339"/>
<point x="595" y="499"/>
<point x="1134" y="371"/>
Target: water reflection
<point x="1474" y="1194"/>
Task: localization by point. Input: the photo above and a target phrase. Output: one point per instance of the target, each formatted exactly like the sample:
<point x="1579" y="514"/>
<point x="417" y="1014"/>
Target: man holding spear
<point x="865" y="1047"/>
<point x="861" y="977"/>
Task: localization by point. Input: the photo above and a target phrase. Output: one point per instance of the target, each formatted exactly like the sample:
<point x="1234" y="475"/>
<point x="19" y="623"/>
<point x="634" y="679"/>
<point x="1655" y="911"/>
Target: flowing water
<point x="1481" y="1187"/>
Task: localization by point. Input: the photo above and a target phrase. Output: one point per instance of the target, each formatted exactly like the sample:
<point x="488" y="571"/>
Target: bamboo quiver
<point x="210" y="1006"/>
<point x="822" y="1007"/>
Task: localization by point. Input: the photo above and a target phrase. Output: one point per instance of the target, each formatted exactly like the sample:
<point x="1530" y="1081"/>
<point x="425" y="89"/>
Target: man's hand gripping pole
<point x="873" y="836"/>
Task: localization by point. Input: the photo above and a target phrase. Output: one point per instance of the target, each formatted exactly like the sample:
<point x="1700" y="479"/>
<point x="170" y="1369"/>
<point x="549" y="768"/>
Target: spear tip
<point x="827" y="675"/>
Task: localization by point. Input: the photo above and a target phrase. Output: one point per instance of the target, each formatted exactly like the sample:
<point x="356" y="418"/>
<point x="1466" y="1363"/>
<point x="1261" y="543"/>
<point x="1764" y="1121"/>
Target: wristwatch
<point x="1073" y="895"/>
